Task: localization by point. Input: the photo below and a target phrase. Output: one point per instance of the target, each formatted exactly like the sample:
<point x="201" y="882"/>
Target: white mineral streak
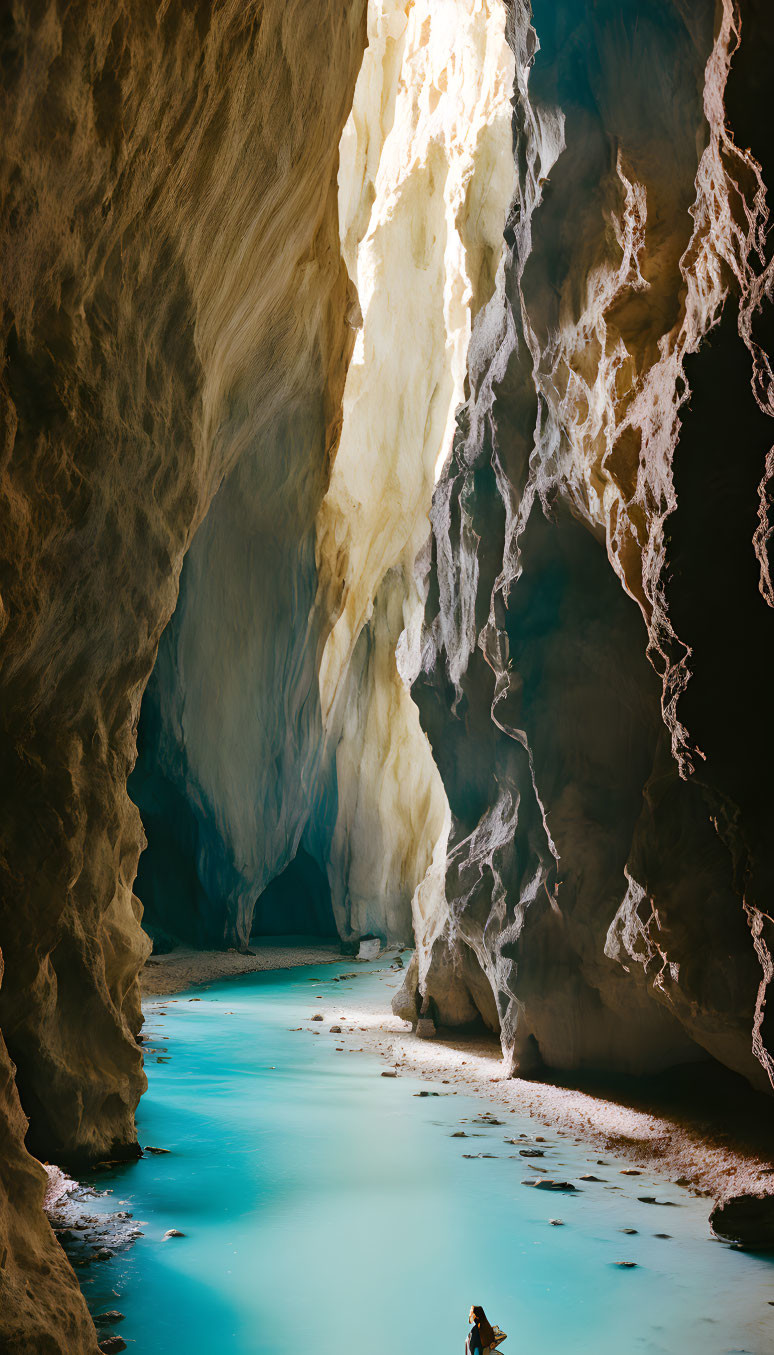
<point x="425" y="180"/>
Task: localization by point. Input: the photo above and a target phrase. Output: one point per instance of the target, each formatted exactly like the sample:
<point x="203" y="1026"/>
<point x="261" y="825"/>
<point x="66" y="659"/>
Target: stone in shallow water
<point x="747" y="1220"/>
<point x="548" y="1183"/>
<point x="108" y="1319"/>
<point x="370" y="948"/>
<point x="112" y="1344"/>
<point x="173" y="1232"/>
<point x="157" y="1151"/>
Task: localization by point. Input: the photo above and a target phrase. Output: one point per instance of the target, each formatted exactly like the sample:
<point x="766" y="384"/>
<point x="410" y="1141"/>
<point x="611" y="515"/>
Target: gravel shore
<point x="699" y="1127"/>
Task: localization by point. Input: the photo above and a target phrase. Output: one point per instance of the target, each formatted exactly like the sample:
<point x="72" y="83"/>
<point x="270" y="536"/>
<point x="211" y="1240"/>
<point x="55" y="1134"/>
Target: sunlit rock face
<point x="425" y="181"/>
<point x="278" y="719"/>
<point x="598" y="630"/>
<point x="173" y="298"/>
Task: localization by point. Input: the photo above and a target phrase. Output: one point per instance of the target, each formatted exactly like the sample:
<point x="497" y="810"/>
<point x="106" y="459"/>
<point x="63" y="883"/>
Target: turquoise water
<point x="328" y="1210"/>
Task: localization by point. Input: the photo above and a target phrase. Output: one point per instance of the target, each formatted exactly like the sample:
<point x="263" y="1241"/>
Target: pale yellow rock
<point x="425" y="180"/>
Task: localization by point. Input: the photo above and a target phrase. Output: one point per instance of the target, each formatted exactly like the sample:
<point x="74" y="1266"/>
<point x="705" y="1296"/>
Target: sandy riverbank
<point x="698" y="1128"/>
<point x="183" y="967"/>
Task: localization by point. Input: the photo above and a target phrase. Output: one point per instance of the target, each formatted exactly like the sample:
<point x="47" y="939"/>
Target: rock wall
<point x="278" y="719"/>
<point x="599" y="626"/>
<point x="172" y="295"/>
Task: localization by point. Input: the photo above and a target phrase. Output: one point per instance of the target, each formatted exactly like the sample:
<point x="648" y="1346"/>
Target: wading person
<point x="481" y="1337"/>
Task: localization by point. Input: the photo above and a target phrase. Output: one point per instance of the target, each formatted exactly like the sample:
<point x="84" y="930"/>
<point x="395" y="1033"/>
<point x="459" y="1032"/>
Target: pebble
<point x="389" y="1072"/>
<point x="458" y="1134"/>
<point x="173" y="1232"/>
<point x="630" y="1171"/>
<point x="317" y="1017"/>
<point x="556" y="1223"/>
<point x="626" y="1265"/>
<point x="631" y="1231"/>
<point x="335" y="1030"/>
<point x="529" y="1152"/>
<point x="588" y="1177"/>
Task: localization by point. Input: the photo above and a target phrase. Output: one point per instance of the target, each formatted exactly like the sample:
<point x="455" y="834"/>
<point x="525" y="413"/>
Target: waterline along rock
<point x="387" y="503"/>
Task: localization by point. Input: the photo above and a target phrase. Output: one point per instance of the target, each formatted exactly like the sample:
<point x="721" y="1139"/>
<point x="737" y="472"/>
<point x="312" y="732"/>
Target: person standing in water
<point x="480" y="1337"/>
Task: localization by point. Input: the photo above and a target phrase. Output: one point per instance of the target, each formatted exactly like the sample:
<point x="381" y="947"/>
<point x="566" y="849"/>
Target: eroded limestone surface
<point x="598" y="630"/>
<point x="172" y="288"/>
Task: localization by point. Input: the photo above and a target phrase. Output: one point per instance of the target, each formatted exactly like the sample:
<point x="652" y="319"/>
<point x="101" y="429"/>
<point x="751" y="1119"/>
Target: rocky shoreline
<point x="718" y="1146"/>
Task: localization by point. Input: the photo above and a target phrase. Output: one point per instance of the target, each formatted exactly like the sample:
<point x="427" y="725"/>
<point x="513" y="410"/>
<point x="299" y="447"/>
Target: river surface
<point x="328" y="1210"/>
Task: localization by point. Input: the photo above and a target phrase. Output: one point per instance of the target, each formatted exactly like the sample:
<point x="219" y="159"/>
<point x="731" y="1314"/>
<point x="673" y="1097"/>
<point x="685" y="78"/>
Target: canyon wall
<point x="173" y="295"/>
<point x="278" y="720"/>
<point x="598" y="629"/>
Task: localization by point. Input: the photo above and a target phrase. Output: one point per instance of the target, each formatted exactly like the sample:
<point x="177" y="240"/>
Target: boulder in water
<point x="747" y="1220"/>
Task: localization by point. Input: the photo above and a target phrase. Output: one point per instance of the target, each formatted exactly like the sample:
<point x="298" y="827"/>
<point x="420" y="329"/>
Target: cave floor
<point x="306" y="1185"/>
<point x="184" y="967"/>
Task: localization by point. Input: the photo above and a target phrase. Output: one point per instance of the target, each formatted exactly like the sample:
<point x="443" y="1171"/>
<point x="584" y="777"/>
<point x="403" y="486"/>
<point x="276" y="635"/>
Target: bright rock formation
<point x="424" y="185"/>
<point x="278" y="719"/>
<point x="599" y="621"/>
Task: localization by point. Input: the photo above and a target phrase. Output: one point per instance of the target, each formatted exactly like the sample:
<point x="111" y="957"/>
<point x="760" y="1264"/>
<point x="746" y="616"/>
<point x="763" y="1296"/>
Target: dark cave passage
<point x="297" y="903"/>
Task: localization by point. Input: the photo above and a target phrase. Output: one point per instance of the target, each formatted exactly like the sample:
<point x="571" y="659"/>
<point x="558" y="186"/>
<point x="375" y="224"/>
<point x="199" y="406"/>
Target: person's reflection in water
<point x="481" y="1337"/>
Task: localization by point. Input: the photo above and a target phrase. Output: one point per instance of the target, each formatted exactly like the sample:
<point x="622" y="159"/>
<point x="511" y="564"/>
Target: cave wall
<point x="278" y="718"/>
<point x="598" y="629"/>
<point x="172" y="286"/>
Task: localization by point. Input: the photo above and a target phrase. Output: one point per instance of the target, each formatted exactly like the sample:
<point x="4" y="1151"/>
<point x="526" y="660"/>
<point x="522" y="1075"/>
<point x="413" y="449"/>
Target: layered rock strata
<point x="599" y="627"/>
<point x="172" y="295"/>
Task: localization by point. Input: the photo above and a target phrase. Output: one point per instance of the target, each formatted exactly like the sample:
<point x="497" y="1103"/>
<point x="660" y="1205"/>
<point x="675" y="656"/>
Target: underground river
<point x="326" y="1208"/>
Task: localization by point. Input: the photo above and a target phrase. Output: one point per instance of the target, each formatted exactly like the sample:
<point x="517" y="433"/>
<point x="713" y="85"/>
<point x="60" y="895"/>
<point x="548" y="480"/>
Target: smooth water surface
<point x="327" y="1209"/>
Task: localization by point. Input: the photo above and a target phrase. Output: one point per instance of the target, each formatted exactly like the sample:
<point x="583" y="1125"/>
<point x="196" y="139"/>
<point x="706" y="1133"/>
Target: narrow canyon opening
<point x="387" y="472"/>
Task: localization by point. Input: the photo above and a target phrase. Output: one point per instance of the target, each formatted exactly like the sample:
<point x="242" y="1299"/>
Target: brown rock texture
<point x="171" y="281"/>
<point x="41" y="1307"/>
<point x="599" y="627"/>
